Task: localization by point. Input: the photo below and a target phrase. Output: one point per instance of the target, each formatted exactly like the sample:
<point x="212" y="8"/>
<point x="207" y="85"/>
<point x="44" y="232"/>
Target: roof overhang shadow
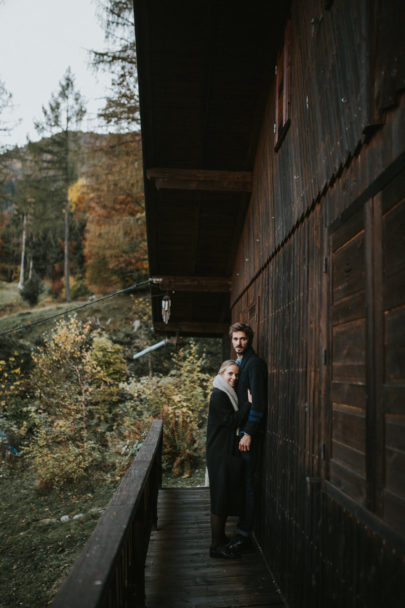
<point x="204" y="69"/>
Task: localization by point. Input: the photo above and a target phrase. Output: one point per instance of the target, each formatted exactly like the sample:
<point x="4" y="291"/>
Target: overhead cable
<point x="75" y="308"/>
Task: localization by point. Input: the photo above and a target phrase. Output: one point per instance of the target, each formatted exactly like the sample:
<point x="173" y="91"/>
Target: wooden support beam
<point x="193" y="283"/>
<point x="193" y="328"/>
<point x="199" y="179"/>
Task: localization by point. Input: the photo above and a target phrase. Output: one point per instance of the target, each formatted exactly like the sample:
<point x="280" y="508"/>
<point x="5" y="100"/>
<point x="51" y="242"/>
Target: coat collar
<point x="247" y="354"/>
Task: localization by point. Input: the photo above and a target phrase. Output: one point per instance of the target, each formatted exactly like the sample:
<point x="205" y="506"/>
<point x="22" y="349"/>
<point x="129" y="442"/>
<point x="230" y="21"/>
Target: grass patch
<point x="9" y="297"/>
<point x="116" y="312"/>
<point x="197" y="478"/>
<point x="32" y="315"/>
<point x="36" y="555"/>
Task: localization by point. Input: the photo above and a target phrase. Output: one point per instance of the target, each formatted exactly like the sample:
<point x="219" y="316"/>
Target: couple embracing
<point x="235" y="425"/>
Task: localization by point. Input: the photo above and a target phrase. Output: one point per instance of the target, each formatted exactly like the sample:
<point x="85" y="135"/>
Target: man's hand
<point x="244" y="443"/>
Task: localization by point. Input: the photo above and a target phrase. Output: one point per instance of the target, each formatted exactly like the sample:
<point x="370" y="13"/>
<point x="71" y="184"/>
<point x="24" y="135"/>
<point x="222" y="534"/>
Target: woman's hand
<point x="244" y="443"/>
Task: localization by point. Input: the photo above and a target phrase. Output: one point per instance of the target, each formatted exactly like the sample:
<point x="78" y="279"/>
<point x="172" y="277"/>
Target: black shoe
<point x="240" y="543"/>
<point x="223" y="552"/>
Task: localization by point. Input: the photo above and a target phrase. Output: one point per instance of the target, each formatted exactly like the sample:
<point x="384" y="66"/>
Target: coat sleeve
<point x="257" y="379"/>
<point x="221" y="412"/>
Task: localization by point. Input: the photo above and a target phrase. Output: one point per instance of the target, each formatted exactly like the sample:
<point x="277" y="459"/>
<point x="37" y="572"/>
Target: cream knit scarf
<point x="223" y="385"/>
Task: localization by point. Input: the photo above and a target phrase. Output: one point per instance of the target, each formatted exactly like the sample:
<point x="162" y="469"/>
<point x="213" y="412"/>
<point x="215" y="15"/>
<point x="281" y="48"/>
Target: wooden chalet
<point x="274" y="158"/>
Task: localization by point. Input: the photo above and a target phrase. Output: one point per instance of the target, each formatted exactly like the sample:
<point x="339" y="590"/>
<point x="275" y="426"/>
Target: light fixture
<point x="166" y="307"/>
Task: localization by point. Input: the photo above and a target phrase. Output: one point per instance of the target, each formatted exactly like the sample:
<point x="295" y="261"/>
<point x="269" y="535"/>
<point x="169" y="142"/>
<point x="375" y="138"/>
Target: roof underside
<point x="204" y="69"/>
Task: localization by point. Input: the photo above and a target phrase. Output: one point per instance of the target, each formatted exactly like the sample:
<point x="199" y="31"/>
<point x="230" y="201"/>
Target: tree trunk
<point x="21" y="281"/>
<point x="67" y="284"/>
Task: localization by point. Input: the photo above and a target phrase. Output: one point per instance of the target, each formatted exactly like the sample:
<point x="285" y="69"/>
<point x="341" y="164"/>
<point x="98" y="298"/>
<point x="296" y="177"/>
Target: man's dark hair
<point x="242" y="327"/>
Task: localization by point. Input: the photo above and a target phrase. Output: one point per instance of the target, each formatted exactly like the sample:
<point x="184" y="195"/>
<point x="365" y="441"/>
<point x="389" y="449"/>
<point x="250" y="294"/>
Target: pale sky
<point x="39" y="39"/>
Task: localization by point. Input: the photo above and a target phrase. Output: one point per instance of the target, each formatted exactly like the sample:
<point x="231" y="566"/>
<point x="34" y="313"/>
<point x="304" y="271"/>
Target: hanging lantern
<point x="166" y="306"/>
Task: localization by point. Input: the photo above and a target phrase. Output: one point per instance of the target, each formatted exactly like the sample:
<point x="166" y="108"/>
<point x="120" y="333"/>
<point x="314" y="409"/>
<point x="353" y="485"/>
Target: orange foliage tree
<point x="112" y="198"/>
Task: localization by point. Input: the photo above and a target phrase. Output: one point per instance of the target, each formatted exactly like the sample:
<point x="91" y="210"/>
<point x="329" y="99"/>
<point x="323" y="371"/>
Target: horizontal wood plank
<point x="349" y="269"/>
<point x="346" y="231"/>
<point x="395" y="472"/>
<point x="394" y="243"/>
<point x="348" y="456"/>
<point x="349" y="426"/>
<point x="394" y="507"/>
<point x="395" y="431"/>
<point x="394" y="398"/>
<point x="394" y="192"/>
<point x="395" y="347"/>
<point x="349" y="309"/>
<point x="348" y="480"/>
<point x="189" y="327"/>
<point x="348" y="393"/>
<point x="198" y="179"/>
<point x="349" y="352"/>
<point x="193" y="283"/>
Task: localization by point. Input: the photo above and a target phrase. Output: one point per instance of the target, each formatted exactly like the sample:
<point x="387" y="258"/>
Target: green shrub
<point x="75" y="386"/>
<point x="62" y="454"/>
<point x="15" y="364"/>
<point x="79" y="289"/>
<point x="181" y="400"/>
<point x="76" y="413"/>
<point x="31" y="289"/>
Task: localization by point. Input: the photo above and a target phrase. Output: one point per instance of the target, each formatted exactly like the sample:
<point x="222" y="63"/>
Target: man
<point x="252" y="387"/>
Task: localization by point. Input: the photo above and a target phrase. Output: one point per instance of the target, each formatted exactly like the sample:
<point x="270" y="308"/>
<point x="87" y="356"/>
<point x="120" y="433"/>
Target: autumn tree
<point x="75" y="387"/>
<point x="59" y="151"/>
<point x="115" y="244"/>
<point x="115" y="238"/>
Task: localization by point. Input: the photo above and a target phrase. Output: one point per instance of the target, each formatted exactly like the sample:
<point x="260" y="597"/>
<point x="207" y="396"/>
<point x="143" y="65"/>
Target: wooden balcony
<point x="151" y="549"/>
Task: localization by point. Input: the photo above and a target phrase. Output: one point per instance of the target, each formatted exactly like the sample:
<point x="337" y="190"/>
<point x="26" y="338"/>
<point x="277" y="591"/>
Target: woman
<point x="223" y="458"/>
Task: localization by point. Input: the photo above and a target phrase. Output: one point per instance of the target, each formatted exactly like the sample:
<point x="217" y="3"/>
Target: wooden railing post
<point x="110" y="572"/>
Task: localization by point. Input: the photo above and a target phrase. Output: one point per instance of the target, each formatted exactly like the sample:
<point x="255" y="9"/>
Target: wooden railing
<point x="109" y="573"/>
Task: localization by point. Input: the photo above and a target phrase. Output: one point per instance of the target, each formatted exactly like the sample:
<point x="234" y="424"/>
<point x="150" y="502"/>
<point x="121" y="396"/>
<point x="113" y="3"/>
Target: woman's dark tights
<point x="218" y="530"/>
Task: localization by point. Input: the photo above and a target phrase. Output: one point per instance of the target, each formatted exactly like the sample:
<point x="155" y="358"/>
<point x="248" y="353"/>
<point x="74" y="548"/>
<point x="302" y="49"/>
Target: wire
<point x="66" y="312"/>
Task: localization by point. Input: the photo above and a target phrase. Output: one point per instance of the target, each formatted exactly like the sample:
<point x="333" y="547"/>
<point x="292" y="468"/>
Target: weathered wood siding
<point x="320" y="275"/>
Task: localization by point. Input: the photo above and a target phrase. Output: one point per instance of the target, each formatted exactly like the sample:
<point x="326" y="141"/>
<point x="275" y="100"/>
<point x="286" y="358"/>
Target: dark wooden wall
<point x="320" y="276"/>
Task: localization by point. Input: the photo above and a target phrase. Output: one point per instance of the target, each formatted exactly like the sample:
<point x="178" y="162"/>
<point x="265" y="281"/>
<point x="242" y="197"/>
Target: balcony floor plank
<point x="179" y="572"/>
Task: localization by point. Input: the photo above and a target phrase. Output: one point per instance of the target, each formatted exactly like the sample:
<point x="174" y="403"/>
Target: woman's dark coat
<point x="223" y="457"/>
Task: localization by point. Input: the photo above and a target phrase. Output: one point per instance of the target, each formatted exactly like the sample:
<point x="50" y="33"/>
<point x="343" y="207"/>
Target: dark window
<point x="283" y="82"/>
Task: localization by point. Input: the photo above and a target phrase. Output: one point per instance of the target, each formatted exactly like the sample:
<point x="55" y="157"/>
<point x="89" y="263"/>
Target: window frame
<point x="282" y="72"/>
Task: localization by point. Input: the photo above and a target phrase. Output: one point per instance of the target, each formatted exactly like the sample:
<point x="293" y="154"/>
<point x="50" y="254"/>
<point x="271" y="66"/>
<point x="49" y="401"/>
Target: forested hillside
<point x="106" y="220"/>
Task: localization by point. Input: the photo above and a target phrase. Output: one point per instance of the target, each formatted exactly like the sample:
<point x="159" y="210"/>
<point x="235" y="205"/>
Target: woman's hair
<point x="226" y="364"/>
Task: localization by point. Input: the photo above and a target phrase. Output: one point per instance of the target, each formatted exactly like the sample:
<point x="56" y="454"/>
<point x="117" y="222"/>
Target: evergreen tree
<point x="122" y="105"/>
<point x="38" y="196"/>
<point x="5" y="104"/>
<point x="59" y="152"/>
<point x="5" y="129"/>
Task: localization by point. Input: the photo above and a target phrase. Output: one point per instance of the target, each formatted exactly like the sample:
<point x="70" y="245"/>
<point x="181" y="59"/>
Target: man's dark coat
<point x="252" y="376"/>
